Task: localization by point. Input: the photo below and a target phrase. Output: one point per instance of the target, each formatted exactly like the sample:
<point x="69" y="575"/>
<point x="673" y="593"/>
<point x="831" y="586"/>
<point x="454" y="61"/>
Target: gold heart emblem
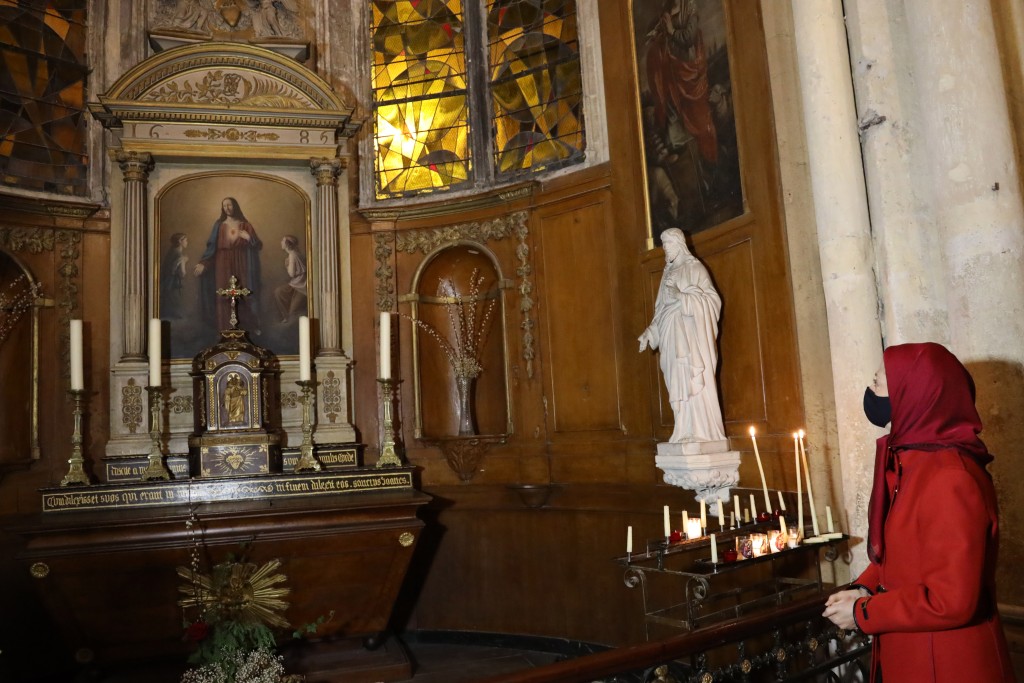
<point x="235" y="460"/>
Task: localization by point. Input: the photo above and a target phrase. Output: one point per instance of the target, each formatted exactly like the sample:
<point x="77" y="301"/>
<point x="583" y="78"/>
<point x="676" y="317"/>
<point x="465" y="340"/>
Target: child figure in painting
<point x="291" y="296"/>
<point x="172" y="277"/>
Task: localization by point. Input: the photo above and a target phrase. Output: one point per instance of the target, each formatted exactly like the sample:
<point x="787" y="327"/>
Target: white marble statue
<point x="684" y="330"/>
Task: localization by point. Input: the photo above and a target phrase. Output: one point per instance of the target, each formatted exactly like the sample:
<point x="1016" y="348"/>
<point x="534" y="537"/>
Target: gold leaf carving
<point x="231" y="135"/>
<point x="227" y="87"/>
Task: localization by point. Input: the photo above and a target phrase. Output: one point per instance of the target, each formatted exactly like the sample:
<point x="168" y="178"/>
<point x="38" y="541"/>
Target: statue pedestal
<point x="707" y="467"/>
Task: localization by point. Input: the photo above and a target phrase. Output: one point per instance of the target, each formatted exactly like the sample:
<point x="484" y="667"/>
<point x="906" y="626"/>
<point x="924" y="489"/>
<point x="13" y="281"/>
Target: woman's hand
<point x="839" y="608"/>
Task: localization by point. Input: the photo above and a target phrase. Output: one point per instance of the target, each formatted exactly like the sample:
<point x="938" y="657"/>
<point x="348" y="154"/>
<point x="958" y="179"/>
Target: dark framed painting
<point x="212" y="226"/>
<point x="691" y="157"/>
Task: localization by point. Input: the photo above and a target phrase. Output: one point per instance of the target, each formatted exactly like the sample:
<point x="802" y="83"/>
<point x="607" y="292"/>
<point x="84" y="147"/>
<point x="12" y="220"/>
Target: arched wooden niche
<point x="459" y="287"/>
<point x="19" y="367"/>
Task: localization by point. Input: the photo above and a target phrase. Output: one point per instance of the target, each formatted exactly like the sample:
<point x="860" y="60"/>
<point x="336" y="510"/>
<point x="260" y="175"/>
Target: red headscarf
<point x="932" y="397"/>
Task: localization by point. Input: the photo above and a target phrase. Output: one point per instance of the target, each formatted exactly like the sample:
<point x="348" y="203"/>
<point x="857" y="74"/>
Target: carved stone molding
<point x="180" y="404"/>
<point x="326" y="170"/>
<point x="428" y="240"/>
<point x="331" y="396"/>
<point x="131" y="406"/>
<point x="134" y="165"/>
<point x="710" y="475"/>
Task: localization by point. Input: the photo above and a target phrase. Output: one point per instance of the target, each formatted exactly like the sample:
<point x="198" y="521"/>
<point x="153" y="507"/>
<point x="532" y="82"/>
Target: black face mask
<point x="878" y="409"/>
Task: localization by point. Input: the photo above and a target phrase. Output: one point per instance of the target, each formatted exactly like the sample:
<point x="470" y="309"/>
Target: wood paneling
<point x="580" y="320"/>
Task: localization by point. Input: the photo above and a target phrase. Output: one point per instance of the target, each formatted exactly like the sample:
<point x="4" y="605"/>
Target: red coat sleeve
<point x="868" y="578"/>
<point x="952" y="529"/>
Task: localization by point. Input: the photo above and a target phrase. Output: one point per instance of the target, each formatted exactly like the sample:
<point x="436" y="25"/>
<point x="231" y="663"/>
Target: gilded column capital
<point x="134" y="165"/>
<point x="326" y="170"/>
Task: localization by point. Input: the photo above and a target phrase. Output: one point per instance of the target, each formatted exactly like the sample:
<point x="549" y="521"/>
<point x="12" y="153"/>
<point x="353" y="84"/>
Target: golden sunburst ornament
<point x="238" y="591"/>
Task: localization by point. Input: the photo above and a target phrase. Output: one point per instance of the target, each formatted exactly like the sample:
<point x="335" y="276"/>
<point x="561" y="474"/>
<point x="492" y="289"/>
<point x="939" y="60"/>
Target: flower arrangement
<point x="470" y="320"/>
<point x="239" y="604"/>
<point x="18" y="297"/>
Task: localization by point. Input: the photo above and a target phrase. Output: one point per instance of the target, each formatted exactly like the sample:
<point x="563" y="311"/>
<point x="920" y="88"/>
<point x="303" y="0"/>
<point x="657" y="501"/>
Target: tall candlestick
<point x="714" y="550"/>
<point x="799" y="486"/>
<point x="154" y="352"/>
<point x="703" y="515"/>
<point x="721" y="513"/>
<point x="810" y="491"/>
<point x="668" y="527"/>
<point x="304" y="362"/>
<point x="77" y="376"/>
<point x="385" y="345"/>
<point x="760" y="469"/>
<point x="753" y="508"/>
<point x="629" y="539"/>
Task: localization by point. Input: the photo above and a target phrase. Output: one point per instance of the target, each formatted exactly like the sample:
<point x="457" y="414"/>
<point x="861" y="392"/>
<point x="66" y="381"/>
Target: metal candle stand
<point x="76" y="475"/>
<point x="155" y="470"/>
<point x="388" y="456"/>
<point x="307" y="461"/>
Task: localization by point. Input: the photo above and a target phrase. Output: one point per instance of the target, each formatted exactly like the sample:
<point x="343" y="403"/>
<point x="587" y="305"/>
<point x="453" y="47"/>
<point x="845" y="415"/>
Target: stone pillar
<point x="135" y="167"/>
<point x="844" y="240"/>
<point x="129" y="426"/>
<point x="332" y="365"/>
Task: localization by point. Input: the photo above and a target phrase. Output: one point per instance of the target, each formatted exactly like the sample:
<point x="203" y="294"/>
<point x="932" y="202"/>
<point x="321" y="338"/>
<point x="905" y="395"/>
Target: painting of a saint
<point x="687" y="121"/>
<point x="232" y="249"/>
<point x="215" y="225"/>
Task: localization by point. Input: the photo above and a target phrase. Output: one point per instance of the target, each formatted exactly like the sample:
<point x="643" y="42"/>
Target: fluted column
<point x="135" y="167"/>
<point x="844" y="239"/>
<point x="326" y="172"/>
<point x="333" y="367"/>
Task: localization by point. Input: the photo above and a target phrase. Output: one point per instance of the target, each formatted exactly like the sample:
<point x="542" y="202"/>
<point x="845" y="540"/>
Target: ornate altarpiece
<point x="218" y="108"/>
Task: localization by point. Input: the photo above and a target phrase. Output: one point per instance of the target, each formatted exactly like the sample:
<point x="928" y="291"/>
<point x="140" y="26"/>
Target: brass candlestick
<point x="76" y="475"/>
<point x="388" y="456"/>
<point x="306" y="462"/>
<point x="155" y="470"/>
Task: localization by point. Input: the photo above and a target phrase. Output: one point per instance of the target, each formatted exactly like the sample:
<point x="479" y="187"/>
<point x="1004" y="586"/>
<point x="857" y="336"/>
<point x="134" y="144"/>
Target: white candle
<point x="385" y="345"/>
<point x="154" y="352"/>
<point x="703" y="515"/>
<point x="686" y="521"/>
<point x="736" y="505"/>
<point x="782" y="524"/>
<point x="753" y="508"/>
<point x="828" y="520"/>
<point x="760" y="469"/>
<point x="714" y="550"/>
<point x="668" y="527"/>
<point x="746" y="515"/>
<point x="810" y="491"/>
<point x="693" y="528"/>
<point x="732" y="519"/>
<point x="629" y="539"/>
<point x="304" y="370"/>
<point x="77" y="376"/>
<point x="799" y="485"/>
<point x="782" y="503"/>
<point x="721" y="514"/>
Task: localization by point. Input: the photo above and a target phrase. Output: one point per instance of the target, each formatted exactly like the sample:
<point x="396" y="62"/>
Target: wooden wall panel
<point x="580" y="320"/>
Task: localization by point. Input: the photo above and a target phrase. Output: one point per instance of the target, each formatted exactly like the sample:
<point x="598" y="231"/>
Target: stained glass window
<point x="445" y="121"/>
<point x="42" y="95"/>
<point x="536" y="85"/>
<point x="419" y="85"/>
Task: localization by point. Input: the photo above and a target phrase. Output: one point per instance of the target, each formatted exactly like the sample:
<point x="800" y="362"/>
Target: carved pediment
<point x="224" y="83"/>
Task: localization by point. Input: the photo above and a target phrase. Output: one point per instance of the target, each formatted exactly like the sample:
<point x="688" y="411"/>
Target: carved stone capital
<point x="326" y="170"/>
<point x="135" y="165"/>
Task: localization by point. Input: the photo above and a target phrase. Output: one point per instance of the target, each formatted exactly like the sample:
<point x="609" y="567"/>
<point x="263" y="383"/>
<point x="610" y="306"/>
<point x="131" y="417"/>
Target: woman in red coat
<point x="928" y="596"/>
